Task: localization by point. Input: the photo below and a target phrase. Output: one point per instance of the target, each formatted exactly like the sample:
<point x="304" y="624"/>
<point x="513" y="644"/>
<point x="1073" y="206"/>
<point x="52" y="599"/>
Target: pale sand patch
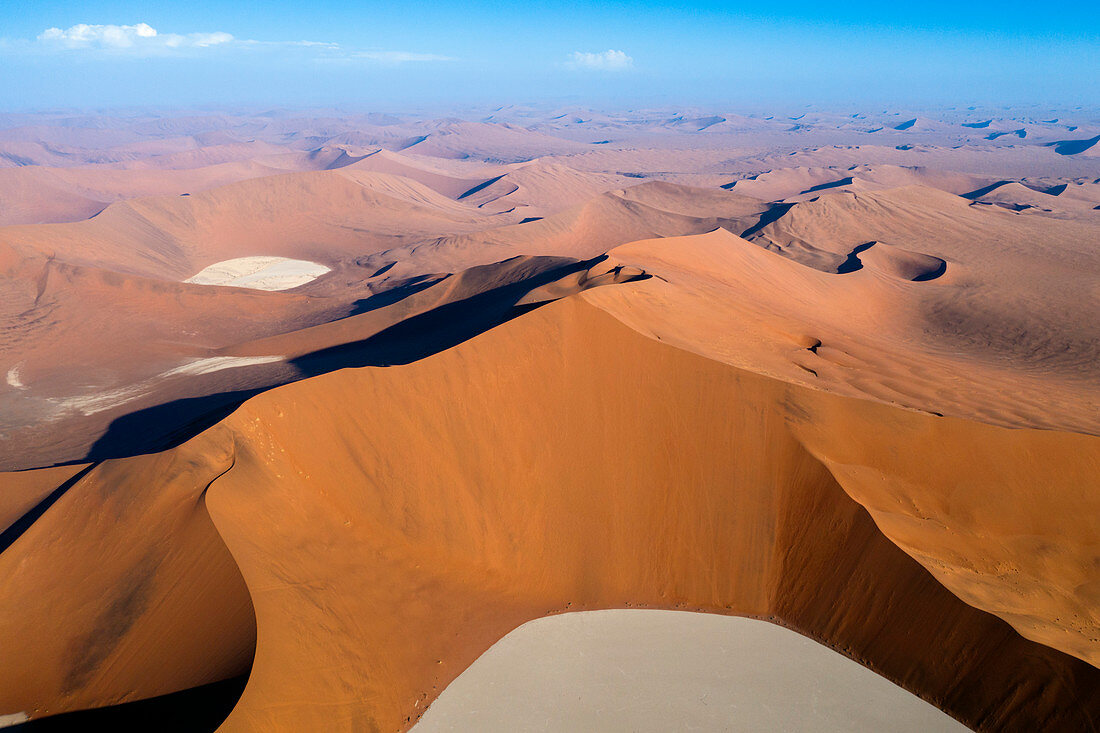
<point x="216" y="364"/>
<point x="632" y="670"/>
<point x="13" y="377"/>
<point x="90" y="404"/>
<point x="13" y="719"/>
<point x="259" y="273"/>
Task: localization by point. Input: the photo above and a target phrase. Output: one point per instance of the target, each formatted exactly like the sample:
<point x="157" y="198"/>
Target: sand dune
<point x="586" y="230"/>
<point x="1016" y="196"/>
<point x="1075" y="147"/>
<point x="313" y="215"/>
<point x="331" y="403"/>
<point x="50" y="195"/>
<point x="800" y="183"/>
<point x="759" y="326"/>
<point x="537" y="189"/>
<point x="143" y="248"/>
<point x="759" y="316"/>
<point x="491" y="142"/>
<point x="107" y="408"/>
<point x="473" y="559"/>
<point x="450" y="185"/>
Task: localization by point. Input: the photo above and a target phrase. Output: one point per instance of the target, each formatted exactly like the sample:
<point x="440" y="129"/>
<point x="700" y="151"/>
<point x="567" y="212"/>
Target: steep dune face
<point x="1031" y="566"/>
<point x="391" y="524"/>
<point x="153" y="601"/>
<point x="1009" y="528"/>
<point x="21" y="493"/>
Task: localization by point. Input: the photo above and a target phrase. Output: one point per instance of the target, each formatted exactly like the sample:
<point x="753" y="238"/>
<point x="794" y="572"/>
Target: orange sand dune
<point x="193" y="157"/>
<point x="131" y="262"/>
<point x="64" y="136"/>
<point x="802" y="182"/>
<point x="539" y="188"/>
<point x="49" y="195"/>
<point x="21" y="492"/>
<point x="584" y="231"/>
<point x="882" y="338"/>
<point x="927" y="331"/>
<point x="1084" y="191"/>
<point x="488" y="141"/>
<point x="1018" y="197"/>
<point x="448" y="184"/>
<point x="458" y="139"/>
<point x="18" y="153"/>
<point x="376" y="579"/>
<point x="34" y="194"/>
<point x="318" y="216"/>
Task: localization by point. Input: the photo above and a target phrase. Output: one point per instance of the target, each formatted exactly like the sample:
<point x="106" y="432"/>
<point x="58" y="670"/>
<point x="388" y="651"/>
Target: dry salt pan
<point x="259" y="273"/>
<point x="654" y="671"/>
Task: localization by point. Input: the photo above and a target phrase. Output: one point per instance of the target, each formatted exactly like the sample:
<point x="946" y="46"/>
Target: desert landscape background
<point x="304" y="411"/>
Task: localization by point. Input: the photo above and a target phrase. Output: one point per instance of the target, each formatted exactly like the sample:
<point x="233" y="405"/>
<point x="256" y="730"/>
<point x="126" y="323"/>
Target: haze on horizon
<point x="129" y="54"/>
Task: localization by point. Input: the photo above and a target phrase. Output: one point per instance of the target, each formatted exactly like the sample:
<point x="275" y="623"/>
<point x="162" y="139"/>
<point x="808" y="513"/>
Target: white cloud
<point x="141" y="39"/>
<point x="134" y="38"/>
<point x="609" y="60"/>
<point x="320" y="45"/>
<point x="398" y="57"/>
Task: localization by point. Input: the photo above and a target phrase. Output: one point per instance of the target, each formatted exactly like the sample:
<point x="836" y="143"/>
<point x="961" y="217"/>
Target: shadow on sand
<point x="198" y="710"/>
<point x="168" y="425"/>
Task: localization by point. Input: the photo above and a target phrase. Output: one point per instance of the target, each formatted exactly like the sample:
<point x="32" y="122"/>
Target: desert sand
<point x="331" y="405"/>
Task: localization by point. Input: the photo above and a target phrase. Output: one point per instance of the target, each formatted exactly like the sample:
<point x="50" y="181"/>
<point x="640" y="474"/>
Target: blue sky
<point x="392" y="55"/>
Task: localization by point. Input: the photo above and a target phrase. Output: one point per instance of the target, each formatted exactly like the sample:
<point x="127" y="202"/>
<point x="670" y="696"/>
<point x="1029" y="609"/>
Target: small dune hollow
<point x="895" y="262"/>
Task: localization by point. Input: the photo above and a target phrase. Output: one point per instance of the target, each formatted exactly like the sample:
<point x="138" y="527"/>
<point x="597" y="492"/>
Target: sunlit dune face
<point x="259" y="273"/>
